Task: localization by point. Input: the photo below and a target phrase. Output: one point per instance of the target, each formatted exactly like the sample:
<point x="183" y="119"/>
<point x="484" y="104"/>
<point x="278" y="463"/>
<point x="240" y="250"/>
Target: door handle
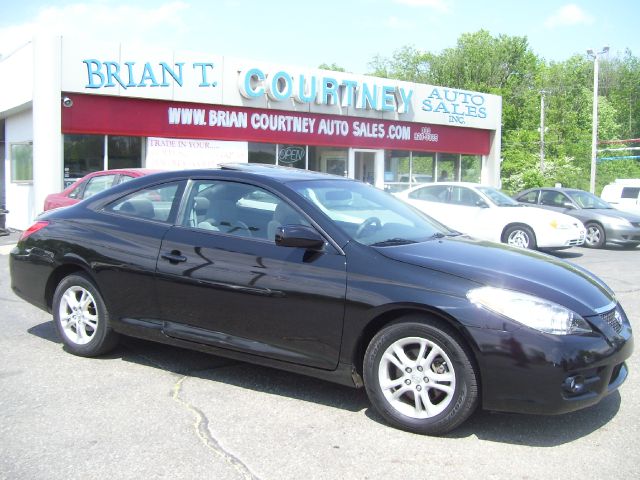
<point x="174" y="256"/>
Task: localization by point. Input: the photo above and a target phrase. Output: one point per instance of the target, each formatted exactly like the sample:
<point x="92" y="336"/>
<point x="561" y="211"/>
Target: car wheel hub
<point x="78" y="315"/>
<point x="518" y="239"/>
<point x="417" y="377"/>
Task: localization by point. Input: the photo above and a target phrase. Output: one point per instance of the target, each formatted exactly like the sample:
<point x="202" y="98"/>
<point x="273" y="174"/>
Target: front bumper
<point x="623" y="235"/>
<point x="526" y="371"/>
<point x="561" y="238"/>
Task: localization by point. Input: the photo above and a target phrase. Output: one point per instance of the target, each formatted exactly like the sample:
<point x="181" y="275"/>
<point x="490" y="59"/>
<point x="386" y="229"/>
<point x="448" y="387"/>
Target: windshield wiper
<point x="393" y="241"/>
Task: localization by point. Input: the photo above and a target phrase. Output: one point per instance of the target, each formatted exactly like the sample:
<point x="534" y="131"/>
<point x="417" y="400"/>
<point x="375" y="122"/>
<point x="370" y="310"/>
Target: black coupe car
<point x="332" y="278"/>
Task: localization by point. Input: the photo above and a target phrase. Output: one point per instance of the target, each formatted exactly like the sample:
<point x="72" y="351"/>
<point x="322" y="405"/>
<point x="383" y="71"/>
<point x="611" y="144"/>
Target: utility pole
<point x="594" y="126"/>
<point x="542" y="92"/>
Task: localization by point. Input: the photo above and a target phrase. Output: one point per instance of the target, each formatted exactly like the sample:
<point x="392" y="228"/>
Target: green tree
<point x="505" y="65"/>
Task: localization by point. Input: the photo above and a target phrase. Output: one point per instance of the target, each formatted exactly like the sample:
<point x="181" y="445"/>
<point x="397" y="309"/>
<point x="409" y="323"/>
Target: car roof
<point x="278" y="172"/>
<point x="450" y="184"/>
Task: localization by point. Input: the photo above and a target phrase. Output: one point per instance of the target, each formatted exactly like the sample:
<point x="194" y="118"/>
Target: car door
<point x="467" y="214"/>
<point x="222" y="280"/>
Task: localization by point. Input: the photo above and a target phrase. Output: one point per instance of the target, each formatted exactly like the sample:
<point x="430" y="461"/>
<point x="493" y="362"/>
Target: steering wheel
<point x="369" y="222"/>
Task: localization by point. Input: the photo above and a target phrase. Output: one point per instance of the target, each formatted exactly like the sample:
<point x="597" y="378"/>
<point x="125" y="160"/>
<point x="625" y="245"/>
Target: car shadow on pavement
<point x="566" y="254"/>
<point x="539" y="430"/>
<point x="517" y="429"/>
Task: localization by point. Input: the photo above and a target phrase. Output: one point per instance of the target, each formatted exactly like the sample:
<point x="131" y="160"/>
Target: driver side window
<point x="238" y="209"/>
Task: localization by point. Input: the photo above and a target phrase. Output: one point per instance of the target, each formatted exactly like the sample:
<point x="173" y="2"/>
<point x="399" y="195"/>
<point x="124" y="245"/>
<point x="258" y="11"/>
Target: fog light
<point x="574" y="384"/>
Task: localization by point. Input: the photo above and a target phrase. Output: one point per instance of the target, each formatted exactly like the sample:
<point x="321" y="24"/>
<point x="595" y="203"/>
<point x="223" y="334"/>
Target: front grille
<point x="614" y="319"/>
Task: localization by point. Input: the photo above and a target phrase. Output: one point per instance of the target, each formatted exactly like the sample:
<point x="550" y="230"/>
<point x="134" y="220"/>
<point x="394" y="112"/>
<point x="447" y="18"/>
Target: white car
<point x="488" y="214"/>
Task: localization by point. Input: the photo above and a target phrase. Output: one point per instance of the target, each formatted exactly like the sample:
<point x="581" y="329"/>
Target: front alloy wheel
<point x="420" y="378"/>
<point x="417" y="377"/>
<point x="520" y="236"/>
<point x="595" y="237"/>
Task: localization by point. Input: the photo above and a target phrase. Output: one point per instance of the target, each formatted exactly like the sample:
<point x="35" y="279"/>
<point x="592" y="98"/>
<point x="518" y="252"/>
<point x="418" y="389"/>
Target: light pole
<point x="594" y="126"/>
<point x="542" y="92"/>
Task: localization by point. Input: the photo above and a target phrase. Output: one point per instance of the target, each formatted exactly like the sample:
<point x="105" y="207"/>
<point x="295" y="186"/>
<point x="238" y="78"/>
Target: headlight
<point x="528" y="310"/>
<point x="559" y="225"/>
<point x="619" y="222"/>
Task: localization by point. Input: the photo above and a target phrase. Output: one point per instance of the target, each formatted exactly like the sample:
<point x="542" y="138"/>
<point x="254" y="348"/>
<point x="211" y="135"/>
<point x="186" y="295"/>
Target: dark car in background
<point x="604" y="224"/>
<point x="329" y="277"/>
<point x="91" y="184"/>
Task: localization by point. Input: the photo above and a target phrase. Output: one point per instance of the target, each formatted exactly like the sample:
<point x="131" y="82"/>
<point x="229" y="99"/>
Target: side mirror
<point x="299" y="236"/>
<point x="568" y="206"/>
<point x="482" y="204"/>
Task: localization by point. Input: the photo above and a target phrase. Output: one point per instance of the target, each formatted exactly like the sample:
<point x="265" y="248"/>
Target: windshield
<point x="368" y="214"/>
<point x="499" y="198"/>
<point x="587" y="200"/>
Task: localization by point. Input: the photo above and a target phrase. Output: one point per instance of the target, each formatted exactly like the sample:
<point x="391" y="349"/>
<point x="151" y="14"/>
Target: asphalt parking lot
<point x="151" y="411"/>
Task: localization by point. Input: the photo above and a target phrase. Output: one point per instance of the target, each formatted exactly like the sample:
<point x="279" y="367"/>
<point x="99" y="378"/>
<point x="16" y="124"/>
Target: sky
<point x="349" y="33"/>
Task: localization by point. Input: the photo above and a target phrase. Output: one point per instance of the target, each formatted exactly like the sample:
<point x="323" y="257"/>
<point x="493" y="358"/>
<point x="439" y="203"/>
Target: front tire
<point x="81" y="317"/>
<point x="420" y="377"/>
<point x="520" y="236"/>
<point x="595" y="236"/>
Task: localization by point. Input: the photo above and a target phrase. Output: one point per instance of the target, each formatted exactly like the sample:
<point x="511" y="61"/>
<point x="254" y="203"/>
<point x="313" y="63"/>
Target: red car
<point x="91" y="184"/>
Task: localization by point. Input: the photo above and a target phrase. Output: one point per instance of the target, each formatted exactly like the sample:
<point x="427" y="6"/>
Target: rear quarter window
<point x="153" y="203"/>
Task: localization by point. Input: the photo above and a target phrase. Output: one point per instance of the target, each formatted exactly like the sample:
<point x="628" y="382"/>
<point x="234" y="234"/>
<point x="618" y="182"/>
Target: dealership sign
<point x="141" y="117"/>
<point x="225" y="81"/>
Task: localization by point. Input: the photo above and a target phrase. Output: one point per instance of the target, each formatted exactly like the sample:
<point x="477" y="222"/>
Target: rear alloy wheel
<point x="520" y="236"/>
<point x="81" y="317"/>
<point x="595" y="236"/>
<point x="420" y="378"/>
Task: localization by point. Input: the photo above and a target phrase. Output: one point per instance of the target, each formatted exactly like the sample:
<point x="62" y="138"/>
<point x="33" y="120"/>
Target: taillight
<point x="39" y="225"/>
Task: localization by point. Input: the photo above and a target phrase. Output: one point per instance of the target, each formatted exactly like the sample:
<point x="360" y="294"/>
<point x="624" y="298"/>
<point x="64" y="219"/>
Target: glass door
<point x="367" y="166"/>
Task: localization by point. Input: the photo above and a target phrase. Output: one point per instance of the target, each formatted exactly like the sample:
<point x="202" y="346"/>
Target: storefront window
<point x="397" y="170"/>
<point x="471" y="167"/>
<point x="328" y="160"/>
<point x="21" y="162"/>
<point x="124" y="152"/>
<point x="448" y="167"/>
<point x="422" y="165"/>
<point x="292" y="156"/>
<point x="82" y="154"/>
<point x="262" y="153"/>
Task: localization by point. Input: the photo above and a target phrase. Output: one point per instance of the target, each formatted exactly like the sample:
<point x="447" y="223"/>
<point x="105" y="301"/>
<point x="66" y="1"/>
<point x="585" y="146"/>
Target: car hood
<point x="540" y="214"/>
<point x="611" y="212"/>
<point x="502" y="266"/>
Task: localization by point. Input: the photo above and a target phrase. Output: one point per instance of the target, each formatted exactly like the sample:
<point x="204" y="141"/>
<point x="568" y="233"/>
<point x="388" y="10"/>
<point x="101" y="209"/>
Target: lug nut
<point x="408" y="382"/>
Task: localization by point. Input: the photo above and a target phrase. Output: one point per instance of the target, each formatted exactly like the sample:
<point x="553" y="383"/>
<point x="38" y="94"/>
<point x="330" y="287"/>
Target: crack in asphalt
<point x="201" y="424"/>
<point x="204" y="434"/>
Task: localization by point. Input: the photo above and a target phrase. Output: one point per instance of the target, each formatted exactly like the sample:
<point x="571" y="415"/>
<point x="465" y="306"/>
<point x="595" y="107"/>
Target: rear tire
<point x="81" y="317"/>
<point x="420" y="377"/>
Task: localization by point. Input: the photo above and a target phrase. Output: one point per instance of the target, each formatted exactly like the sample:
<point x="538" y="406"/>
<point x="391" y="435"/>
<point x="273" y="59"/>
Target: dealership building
<point x="68" y="108"/>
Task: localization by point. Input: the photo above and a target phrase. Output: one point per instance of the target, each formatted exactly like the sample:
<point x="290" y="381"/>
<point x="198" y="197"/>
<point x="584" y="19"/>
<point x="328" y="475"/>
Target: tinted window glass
<point x="154" y="203"/>
<point x="465" y="196"/>
<point x="588" y="200"/>
<point x="531" y="197"/>
<point x="630" y="192"/>
<point x="238" y="209"/>
<point x="434" y="193"/>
